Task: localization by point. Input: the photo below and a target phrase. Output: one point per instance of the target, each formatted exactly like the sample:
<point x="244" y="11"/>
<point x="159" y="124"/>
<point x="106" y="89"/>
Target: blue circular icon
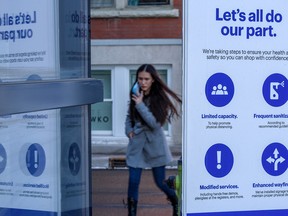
<point x="274" y="159"/>
<point x="74" y="159"/>
<point x="219" y="89"/>
<point x="3" y="158"/>
<point x="275" y="90"/>
<point x="219" y="160"/>
<point x="35" y="159"/>
<point x="34" y="77"/>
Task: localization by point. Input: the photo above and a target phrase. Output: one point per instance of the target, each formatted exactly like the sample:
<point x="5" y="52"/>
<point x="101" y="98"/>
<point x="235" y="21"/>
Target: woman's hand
<point x="138" y="98"/>
<point x="131" y="134"/>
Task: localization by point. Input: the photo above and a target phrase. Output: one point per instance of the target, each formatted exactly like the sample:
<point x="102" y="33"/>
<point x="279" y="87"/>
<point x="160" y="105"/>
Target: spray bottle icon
<point x="273" y="90"/>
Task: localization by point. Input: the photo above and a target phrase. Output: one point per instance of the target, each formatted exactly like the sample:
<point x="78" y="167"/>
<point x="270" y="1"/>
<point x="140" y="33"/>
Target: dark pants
<point x="159" y="179"/>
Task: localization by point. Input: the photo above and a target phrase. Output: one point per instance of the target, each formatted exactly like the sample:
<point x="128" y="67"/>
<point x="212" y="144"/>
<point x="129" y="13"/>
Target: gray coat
<point x="148" y="147"/>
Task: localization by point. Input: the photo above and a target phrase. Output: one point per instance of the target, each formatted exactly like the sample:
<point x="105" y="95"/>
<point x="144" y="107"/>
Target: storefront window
<point x="101" y="113"/>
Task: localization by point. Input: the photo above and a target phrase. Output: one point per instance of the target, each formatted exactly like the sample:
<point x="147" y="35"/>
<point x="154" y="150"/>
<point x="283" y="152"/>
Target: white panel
<point x="120" y="90"/>
<point x="235" y="125"/>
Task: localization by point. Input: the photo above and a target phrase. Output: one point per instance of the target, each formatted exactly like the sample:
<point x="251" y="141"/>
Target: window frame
<point x="110" y="99"/>
<point x="152" y="4"/>
<point x="121" y="4"/>
<point x="122" y="9"/>
<point x="93" y="4"/>
<point x="105" y="132"/>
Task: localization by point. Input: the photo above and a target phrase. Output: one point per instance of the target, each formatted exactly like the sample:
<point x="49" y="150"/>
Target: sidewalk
<point x="109" y="189"/>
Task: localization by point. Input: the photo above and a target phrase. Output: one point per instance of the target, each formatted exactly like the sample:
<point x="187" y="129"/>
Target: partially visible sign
<point x="74" y="62"/>
<point x="32" y="144"/>
<point x="26" y="36"/>
<point x="27" y="52"/>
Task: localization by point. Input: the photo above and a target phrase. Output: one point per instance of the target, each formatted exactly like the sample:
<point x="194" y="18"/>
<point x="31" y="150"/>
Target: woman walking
<point x="151" y="106"/>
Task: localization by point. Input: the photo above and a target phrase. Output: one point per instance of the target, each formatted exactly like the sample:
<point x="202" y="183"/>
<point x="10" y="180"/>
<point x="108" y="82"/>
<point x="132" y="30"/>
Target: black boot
<point x="132" y="207"/>
<point x="174" y="202"/>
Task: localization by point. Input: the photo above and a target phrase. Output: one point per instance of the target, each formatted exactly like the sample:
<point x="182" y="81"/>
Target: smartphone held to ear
<point x="136" y="89"/>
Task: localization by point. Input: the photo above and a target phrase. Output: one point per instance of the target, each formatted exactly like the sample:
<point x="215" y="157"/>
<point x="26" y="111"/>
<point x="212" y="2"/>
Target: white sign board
<point x="43" y="155"/>
<point x="26" y="35"/>
<point x="235" y="124"/>
<point x="28" y="184"/>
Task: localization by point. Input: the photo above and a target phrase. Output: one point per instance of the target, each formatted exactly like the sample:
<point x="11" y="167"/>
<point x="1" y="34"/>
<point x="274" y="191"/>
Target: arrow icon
<point x="276" y="160"/>
<point x="279" y="160"/>
<point x="270" y="160"/>
<point x="276" y="153"/>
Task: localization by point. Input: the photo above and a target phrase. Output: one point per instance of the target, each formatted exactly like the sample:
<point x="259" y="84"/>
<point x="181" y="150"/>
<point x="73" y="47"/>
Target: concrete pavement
<point x="109" y="189"/>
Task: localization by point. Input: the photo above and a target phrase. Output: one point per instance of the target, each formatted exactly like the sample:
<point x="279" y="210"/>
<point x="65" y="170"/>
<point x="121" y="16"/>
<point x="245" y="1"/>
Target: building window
<point x="102" y="3"/>
<point x="122" y="4"/>
<point x="148" y="2"/>
<point x="133" y="8"/>
<point x="101" y="113"/>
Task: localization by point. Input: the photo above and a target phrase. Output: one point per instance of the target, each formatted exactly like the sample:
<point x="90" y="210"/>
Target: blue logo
<point x="274" y="159"/>
<point x="3" y="158"/>
<point x="219" y="160"/>
<point x="219" y="89"/>
<point x="35" y="159"/>
<point x="34" y="77"/>
<point x="74" y="159"/>
<point x="275" y="90"/>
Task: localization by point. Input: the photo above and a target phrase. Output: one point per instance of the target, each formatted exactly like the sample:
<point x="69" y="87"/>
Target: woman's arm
<point x="147" y="116"/>
<point x="144" y="111"/>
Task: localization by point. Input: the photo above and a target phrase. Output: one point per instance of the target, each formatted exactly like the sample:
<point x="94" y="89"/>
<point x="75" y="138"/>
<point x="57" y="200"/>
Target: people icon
<point x="219" y="90"/>
<point x="225" y="90"/>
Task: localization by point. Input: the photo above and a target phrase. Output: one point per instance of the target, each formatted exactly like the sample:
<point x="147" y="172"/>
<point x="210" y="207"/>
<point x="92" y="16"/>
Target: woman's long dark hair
<point x="160" y="104"/>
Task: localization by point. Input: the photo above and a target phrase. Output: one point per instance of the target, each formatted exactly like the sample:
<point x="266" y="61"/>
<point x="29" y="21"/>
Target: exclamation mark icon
<point x="219" y="160"/>
<point x="35" y="159"/>
<point x="28" y="159"/>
